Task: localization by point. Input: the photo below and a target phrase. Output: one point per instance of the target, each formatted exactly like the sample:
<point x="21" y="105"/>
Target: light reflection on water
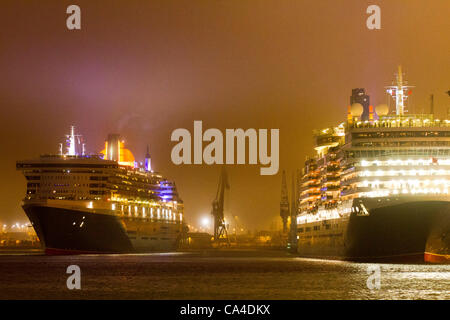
<point x="216" y="275"/>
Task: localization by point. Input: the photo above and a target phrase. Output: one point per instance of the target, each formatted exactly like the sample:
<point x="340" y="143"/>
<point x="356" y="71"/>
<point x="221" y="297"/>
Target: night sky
<point x="145" y="68"/>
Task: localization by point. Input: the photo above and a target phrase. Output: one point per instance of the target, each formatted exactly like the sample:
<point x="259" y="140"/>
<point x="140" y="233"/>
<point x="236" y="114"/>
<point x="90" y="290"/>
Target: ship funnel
<point x="116" y="151"/>
<point x="113" y="147"/>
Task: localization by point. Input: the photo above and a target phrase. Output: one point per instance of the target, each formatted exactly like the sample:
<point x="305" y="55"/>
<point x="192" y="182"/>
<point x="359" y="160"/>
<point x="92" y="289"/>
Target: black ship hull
<point x="69" y="231"/>
<point x="405" y="232"/>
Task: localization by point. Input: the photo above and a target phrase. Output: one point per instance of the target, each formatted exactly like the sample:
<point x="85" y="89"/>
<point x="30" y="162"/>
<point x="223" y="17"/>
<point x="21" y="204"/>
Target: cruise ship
<point x="101" y="203"/>
<point x="377" y="188"/>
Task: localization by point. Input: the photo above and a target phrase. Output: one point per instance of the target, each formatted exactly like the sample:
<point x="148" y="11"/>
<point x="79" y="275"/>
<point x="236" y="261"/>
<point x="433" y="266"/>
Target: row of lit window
<point x="146" y="212"/>
<point x="400" y="162"/>
<point x="398" y="152"/>
<point x="383" y="173"/>
<point x="399" y="123"/>
<point x="403" y="144"/>
<point x="404" y="183"/>
<point x="414" y="191"/>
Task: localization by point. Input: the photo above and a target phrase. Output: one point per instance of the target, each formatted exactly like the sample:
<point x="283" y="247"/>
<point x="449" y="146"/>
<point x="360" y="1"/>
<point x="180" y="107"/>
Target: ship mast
<point x="71" y="147"/>
<point x="399" y="105"/>
<point x="71" y="151"/>
<point x="399" y="92"/>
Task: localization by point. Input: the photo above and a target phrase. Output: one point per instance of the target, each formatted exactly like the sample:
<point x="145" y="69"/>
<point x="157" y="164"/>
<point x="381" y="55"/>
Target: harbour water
<point x="214" y="275"/>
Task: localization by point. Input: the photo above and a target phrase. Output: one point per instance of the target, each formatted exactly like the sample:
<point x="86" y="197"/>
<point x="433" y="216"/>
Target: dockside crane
<point x="293" y="216"/>
<point x="220" y="229"/>
<point x="284" y="203"/>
